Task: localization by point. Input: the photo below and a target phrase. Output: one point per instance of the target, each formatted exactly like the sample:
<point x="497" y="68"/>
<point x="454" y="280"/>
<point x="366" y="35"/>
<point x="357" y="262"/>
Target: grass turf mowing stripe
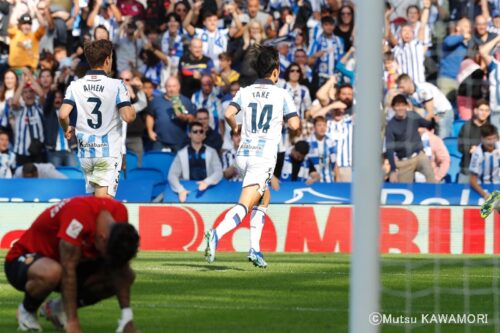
<point x="180" y="292"/>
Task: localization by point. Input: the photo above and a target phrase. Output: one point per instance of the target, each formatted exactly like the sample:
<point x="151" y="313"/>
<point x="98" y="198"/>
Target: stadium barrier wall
<point x="141" y="191"/>
<point x="294" y="228"/>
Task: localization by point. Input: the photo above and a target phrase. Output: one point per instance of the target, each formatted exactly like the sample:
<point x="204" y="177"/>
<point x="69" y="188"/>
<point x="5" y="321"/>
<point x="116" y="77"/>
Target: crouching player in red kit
<point x="80" y="247"/>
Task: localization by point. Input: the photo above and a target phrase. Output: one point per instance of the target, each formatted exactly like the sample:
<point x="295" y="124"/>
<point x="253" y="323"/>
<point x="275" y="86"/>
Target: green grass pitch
<point x="179" y="292"/>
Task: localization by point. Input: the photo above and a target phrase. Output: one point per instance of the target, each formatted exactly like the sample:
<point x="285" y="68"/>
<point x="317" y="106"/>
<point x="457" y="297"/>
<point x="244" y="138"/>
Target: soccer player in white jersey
<point x="264" y="107"/>
<point x="485" y="161"/>
<point x="101" y="103"/>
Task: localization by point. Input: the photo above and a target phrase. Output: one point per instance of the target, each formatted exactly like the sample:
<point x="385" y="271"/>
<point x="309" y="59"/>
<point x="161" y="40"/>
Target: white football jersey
<point x="97" y="99"/>
<point x="264" y="107"/>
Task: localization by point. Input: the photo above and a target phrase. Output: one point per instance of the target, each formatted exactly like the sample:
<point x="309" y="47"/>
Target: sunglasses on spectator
<point x="198" y="131"/>
<point x="346" y="13"/>
<point x="294" y="70"/>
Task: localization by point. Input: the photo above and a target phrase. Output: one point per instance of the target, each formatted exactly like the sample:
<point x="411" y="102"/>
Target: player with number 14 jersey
<point x="265" y="107"/>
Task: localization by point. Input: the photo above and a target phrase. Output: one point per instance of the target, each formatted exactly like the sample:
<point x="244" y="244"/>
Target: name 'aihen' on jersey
<point x="264" y="108"/>
<point x="97" y="99"/>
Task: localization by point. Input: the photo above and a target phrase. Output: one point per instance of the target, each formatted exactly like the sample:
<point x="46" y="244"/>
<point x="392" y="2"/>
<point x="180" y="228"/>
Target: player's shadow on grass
<point x="207" y="267"/>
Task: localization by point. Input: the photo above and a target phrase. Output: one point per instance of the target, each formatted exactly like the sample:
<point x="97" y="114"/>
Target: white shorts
<point x="101" y="171"/>
<point x="256" y="170"/>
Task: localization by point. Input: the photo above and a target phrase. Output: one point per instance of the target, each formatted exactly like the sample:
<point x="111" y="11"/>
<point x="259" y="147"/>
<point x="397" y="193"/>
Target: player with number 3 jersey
<point x="101" y="103"/>
<point x="264" y="108"/>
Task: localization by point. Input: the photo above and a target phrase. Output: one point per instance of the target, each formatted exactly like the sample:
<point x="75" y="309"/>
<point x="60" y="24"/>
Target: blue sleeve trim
<point x="122" y="104"/>
<point x="290" y="115"/>
<point x="236" y="105"/>
<point x="70" y="102"/>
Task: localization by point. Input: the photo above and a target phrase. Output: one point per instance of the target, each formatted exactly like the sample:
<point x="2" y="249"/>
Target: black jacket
<point x="470" y="135"/>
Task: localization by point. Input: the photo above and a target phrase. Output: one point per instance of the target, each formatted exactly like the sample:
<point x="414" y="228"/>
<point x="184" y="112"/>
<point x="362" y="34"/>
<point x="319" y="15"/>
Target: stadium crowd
<point x="183" y="61"/>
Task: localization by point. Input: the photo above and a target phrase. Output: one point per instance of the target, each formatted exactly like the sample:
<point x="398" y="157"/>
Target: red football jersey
<point x="73" y="220"/>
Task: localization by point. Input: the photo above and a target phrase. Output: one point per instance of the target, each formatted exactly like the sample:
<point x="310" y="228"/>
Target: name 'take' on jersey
<point x="97" y="98"/>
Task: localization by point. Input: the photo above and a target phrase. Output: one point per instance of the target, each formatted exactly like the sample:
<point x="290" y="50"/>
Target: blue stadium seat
<point x="159" y="188"/>
<point x="29" y="189"/>
<point x="152" y="174"/>
<point x="132" y="160"/>
<point x="451" y="144"/>
<point x="457" y="125"/>
<point x="138" y="190"/>
<point x="71" y="172"/>
<point x="452" y="176"/>
<point x="158" y="160"/>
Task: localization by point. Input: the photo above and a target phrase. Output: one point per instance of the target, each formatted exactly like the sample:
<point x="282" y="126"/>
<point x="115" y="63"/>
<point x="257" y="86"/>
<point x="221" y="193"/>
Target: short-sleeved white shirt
<point x="97" y="99"/>
<point x="264" y="107"/>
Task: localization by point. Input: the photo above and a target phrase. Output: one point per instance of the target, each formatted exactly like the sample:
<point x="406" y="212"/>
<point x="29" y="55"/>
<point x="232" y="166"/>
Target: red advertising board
<point x="289" y="228"/>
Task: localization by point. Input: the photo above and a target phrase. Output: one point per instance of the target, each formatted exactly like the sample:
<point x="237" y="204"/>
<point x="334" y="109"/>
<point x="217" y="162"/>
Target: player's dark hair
<point x="319" y="119"/>
<point x="399" y="99"/>
<point x="97" y="51"/>
<point x="264" y="60"/>
<point x="123" y="244"/>
<point x="302" y="147"/>
<point x="488" y="130"/>
<point x="3" y="132"/>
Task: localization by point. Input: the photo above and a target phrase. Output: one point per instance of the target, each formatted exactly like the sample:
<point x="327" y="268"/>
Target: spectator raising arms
<point x="214" y="40"/>
<point x="24" y="45"/>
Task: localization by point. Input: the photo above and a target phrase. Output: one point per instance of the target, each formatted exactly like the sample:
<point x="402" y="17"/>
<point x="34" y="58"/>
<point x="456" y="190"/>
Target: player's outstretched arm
<point x="128" y="113"/>
<point x="70" y="256"/>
